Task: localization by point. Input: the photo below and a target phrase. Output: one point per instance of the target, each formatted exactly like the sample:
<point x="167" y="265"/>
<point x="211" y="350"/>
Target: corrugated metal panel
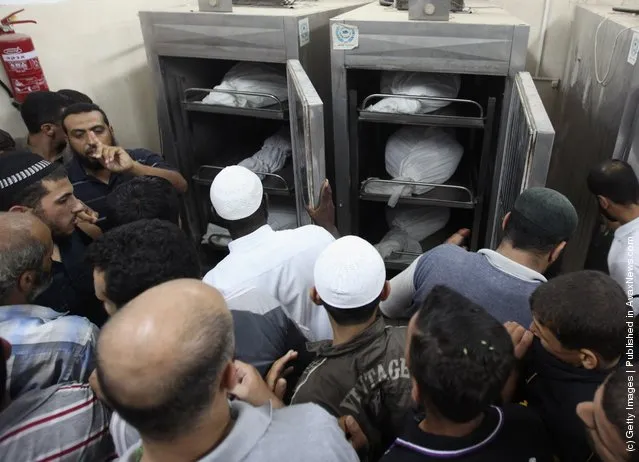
<point x="527" y="149"/>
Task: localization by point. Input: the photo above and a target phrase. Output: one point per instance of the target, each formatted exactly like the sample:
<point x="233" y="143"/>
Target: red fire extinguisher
<point x="20" y="59"/>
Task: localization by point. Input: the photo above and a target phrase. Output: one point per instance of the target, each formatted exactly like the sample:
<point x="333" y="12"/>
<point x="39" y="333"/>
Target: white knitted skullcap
<point x="349" y="273"/>
<point x="236" y="193"/>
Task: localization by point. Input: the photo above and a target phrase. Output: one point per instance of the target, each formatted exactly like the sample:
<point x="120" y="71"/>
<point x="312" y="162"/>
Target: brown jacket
<point x="367" y="378"/>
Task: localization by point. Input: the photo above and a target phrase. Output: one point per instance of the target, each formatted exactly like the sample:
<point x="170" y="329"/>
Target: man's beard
<point x="43" y="280"/>
<point x="56" y="232"/>
<point x="89" y="162"/>
<point x="607" y="214"/>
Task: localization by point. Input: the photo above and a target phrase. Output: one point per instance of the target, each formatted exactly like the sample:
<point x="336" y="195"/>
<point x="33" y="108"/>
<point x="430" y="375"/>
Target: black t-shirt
<point x="71" y="288"/>
<point x="553" y="389"/>
<point x="512" y="433"/>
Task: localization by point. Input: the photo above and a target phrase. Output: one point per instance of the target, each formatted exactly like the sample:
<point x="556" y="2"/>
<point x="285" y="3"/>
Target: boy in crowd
<point x="459" y="358"/>
<point x="579" y="327"/>
<point x="611" y="415"/>
<point x="362" y="371"/>
<point x="41" y="112"/>
<point x="144" y="197"/>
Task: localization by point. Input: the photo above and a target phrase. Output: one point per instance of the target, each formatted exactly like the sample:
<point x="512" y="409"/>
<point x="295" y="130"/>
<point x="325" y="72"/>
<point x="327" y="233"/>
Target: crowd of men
<point x="117" y="343"/>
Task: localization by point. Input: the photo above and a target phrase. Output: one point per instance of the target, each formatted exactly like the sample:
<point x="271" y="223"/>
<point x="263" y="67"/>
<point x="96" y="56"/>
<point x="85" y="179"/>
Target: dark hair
<point x="7" y="143"/>
<point x="187" y="393"/>
<point x="615" y="401"/>
<point x="247" y="225"/>
<point x="42" y="107"/>
<point x="144" y="197"/>
<point x="83" y="108"/>
<point x="459" y="355"/>
<point x="615" y="180"/>
<point x="352" y="316"/>
<point x="33" y="194"/>
<point x="524" y="235"/>
<point x="138" y="256"/>
<point x="75" y="96"/>
<point x="584" y="309"/>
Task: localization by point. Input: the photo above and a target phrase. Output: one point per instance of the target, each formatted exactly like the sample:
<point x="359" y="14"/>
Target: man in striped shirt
<point x="64" y="422"/>
<point x="48" y="347"/>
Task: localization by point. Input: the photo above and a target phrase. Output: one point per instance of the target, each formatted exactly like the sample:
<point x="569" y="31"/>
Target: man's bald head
<point x="25" y="250"/>
<point x="162" y="357"/>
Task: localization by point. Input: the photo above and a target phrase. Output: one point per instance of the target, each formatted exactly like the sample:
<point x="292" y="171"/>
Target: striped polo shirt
<point x="94" y="192"/>
<point x="60" y="423"/>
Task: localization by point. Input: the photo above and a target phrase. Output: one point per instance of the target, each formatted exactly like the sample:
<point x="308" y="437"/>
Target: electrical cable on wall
<point x="606" y="80"/>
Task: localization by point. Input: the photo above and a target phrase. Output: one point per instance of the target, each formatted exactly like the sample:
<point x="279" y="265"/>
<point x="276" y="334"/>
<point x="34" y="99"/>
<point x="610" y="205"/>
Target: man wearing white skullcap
<point x="362" y="371"/>
<point x="277" y="262"/>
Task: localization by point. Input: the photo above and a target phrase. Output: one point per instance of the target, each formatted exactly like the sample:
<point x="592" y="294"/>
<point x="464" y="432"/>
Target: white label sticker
<point x="634" y="49"/>
<point x="305" y="32"/>
<point x="345" y="37"/>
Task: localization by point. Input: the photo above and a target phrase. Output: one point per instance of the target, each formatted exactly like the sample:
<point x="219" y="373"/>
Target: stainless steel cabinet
<point x="190" y="52"/>
<point x="498" y="115"/>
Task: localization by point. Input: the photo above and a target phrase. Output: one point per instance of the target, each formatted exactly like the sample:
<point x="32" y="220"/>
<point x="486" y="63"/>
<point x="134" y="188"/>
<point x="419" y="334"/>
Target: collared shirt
<point x="94" y="192"/>
<point x="513" y="434"/>
<point x="366" y="377"/>
<point x="263" y="434"/>
<point x="623" y="259"/>
<point x="501" y="286"/>
<point x="61" y="423"/>
<point x="71" y="290"/>
<point x="281" y="263"/>
<point x="47" y="347"/>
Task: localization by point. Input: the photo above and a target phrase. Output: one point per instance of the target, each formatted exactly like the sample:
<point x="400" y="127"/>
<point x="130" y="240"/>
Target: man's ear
<point x="19" y="209"/>
<point x="315" y="297"/>
<point x="504" y="222"/>
<point x="603" y="202"/>
<point x="385" y="291"/>
<point x="229" y="377"/>
<point x="414" y="391"/>
<point x="589" y="359"/>
<point x="48" y="129"/>
<point x="556" y="252"/>
<point x="26" y="281"/>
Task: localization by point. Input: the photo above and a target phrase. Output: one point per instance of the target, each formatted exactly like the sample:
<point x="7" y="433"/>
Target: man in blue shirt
<point x="99" y="165"/>
<point x="48" y="347"/>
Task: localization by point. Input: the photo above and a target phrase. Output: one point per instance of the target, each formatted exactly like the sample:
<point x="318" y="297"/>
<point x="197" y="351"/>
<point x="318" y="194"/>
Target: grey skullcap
<point x="548" y="212"/>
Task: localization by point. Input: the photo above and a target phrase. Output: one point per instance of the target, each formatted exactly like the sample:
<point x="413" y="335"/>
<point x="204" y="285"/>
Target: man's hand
<point x="522" y="338"/>
<point x="353" y="432"/>
<point x="275" y="379"/>
<point x="114" y="158"/>
<point x="459" y="237"/>
<point x="88" y="215"/>
<point x="324" y="214"/>
<point x="252" y="388"/>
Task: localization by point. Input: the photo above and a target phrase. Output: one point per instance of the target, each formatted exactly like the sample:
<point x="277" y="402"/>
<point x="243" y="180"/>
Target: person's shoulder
<point x="313" y="233"/>
<point x="141" y="153"/>
<point x="80" y="326"/>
